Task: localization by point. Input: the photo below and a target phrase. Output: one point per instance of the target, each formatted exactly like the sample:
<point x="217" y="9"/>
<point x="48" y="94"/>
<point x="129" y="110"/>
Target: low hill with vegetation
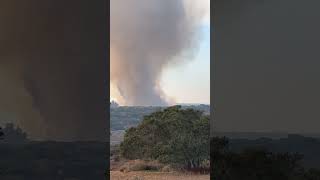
<point x="307" y="146"/>
<point x="23" y="159"/>
<point x="53" y="160"/>
<point x="124" y="117"/>
<point x="256" y="161"/>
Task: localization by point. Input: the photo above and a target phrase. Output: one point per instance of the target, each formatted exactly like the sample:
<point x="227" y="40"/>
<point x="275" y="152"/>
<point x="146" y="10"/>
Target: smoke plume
<point x="146" y="36"/>
<point x="52" y="67"/>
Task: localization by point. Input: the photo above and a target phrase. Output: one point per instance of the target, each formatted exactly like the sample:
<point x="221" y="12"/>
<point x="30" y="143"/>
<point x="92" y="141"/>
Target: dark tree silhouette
<point x="256" y="163"/>
<point x="13" y="134"/>
<point x="1" y="133"/>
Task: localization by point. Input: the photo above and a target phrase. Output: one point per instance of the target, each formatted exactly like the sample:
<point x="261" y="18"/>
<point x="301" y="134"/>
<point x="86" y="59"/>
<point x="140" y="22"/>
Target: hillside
<point x="124" y="117"/>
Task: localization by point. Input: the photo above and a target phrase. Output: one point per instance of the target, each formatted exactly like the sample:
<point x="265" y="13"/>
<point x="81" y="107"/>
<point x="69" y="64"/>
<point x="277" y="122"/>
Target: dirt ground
<point x="142" y="175"/>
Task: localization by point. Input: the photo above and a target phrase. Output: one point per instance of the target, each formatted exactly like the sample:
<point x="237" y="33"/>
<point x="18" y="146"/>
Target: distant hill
<point x="251" y="135"/>
<point x="258" y="135"/>
<point x="124" y="117"/>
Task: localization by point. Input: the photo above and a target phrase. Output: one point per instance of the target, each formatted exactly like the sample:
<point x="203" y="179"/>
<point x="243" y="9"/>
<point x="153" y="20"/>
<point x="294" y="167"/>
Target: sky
<point x="267" y="66"/>
<point x="190" y="82"/>
<point x="188" y="79"/>
<point x="52" y="68"/>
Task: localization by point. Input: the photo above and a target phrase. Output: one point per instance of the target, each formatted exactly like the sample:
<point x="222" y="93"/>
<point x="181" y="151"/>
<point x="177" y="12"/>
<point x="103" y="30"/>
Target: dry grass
<point x="144" y="175"/>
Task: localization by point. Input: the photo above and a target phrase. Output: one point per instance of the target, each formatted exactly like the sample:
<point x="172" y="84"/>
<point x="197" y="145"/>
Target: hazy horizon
<point x="185" y="104"/>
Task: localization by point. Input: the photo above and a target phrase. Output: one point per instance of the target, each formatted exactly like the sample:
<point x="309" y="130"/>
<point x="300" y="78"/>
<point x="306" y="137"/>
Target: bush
<point x="174" y="135"/>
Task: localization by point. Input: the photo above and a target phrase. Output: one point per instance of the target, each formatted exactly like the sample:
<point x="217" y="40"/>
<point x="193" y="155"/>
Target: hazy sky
<point x="190" y="82"/>
<point x="187" y="80"/>
<point x="52" y="68"/>
<point x="267" y="66"/>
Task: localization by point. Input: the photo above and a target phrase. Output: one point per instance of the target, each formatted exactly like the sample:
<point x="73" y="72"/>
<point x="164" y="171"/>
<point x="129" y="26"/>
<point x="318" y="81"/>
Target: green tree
<point x="173" y="135"/>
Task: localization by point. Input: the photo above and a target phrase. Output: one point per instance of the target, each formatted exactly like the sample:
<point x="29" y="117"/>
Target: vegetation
<point x="24" y="159"/>
<point x="292" y="143"/>
<point x="1" y="133"/>
<point x="256" y="164"/>
<point x="124" y="117"/>
<point x="113" y="104"/>
<point x="13" y="134"/>
<point x="174" y="135"/>
<point x="53" y="160"/>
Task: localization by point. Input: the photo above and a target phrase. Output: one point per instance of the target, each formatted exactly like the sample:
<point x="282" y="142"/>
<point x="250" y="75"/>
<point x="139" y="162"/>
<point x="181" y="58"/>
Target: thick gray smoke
<point x="52" y="67"/>
<point x="146" y="36"/>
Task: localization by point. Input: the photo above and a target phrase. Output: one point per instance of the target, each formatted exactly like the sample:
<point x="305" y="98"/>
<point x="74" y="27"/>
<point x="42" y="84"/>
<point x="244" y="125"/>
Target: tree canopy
<point x="14" y="134"/>
<point x="174" y="135"/>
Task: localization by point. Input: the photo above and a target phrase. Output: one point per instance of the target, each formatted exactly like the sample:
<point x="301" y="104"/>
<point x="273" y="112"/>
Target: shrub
<point x="174" y="135"/>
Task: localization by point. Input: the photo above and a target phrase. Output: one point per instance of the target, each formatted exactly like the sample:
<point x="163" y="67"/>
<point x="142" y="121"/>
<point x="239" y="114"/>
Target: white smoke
<point x="146" y="36"/>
